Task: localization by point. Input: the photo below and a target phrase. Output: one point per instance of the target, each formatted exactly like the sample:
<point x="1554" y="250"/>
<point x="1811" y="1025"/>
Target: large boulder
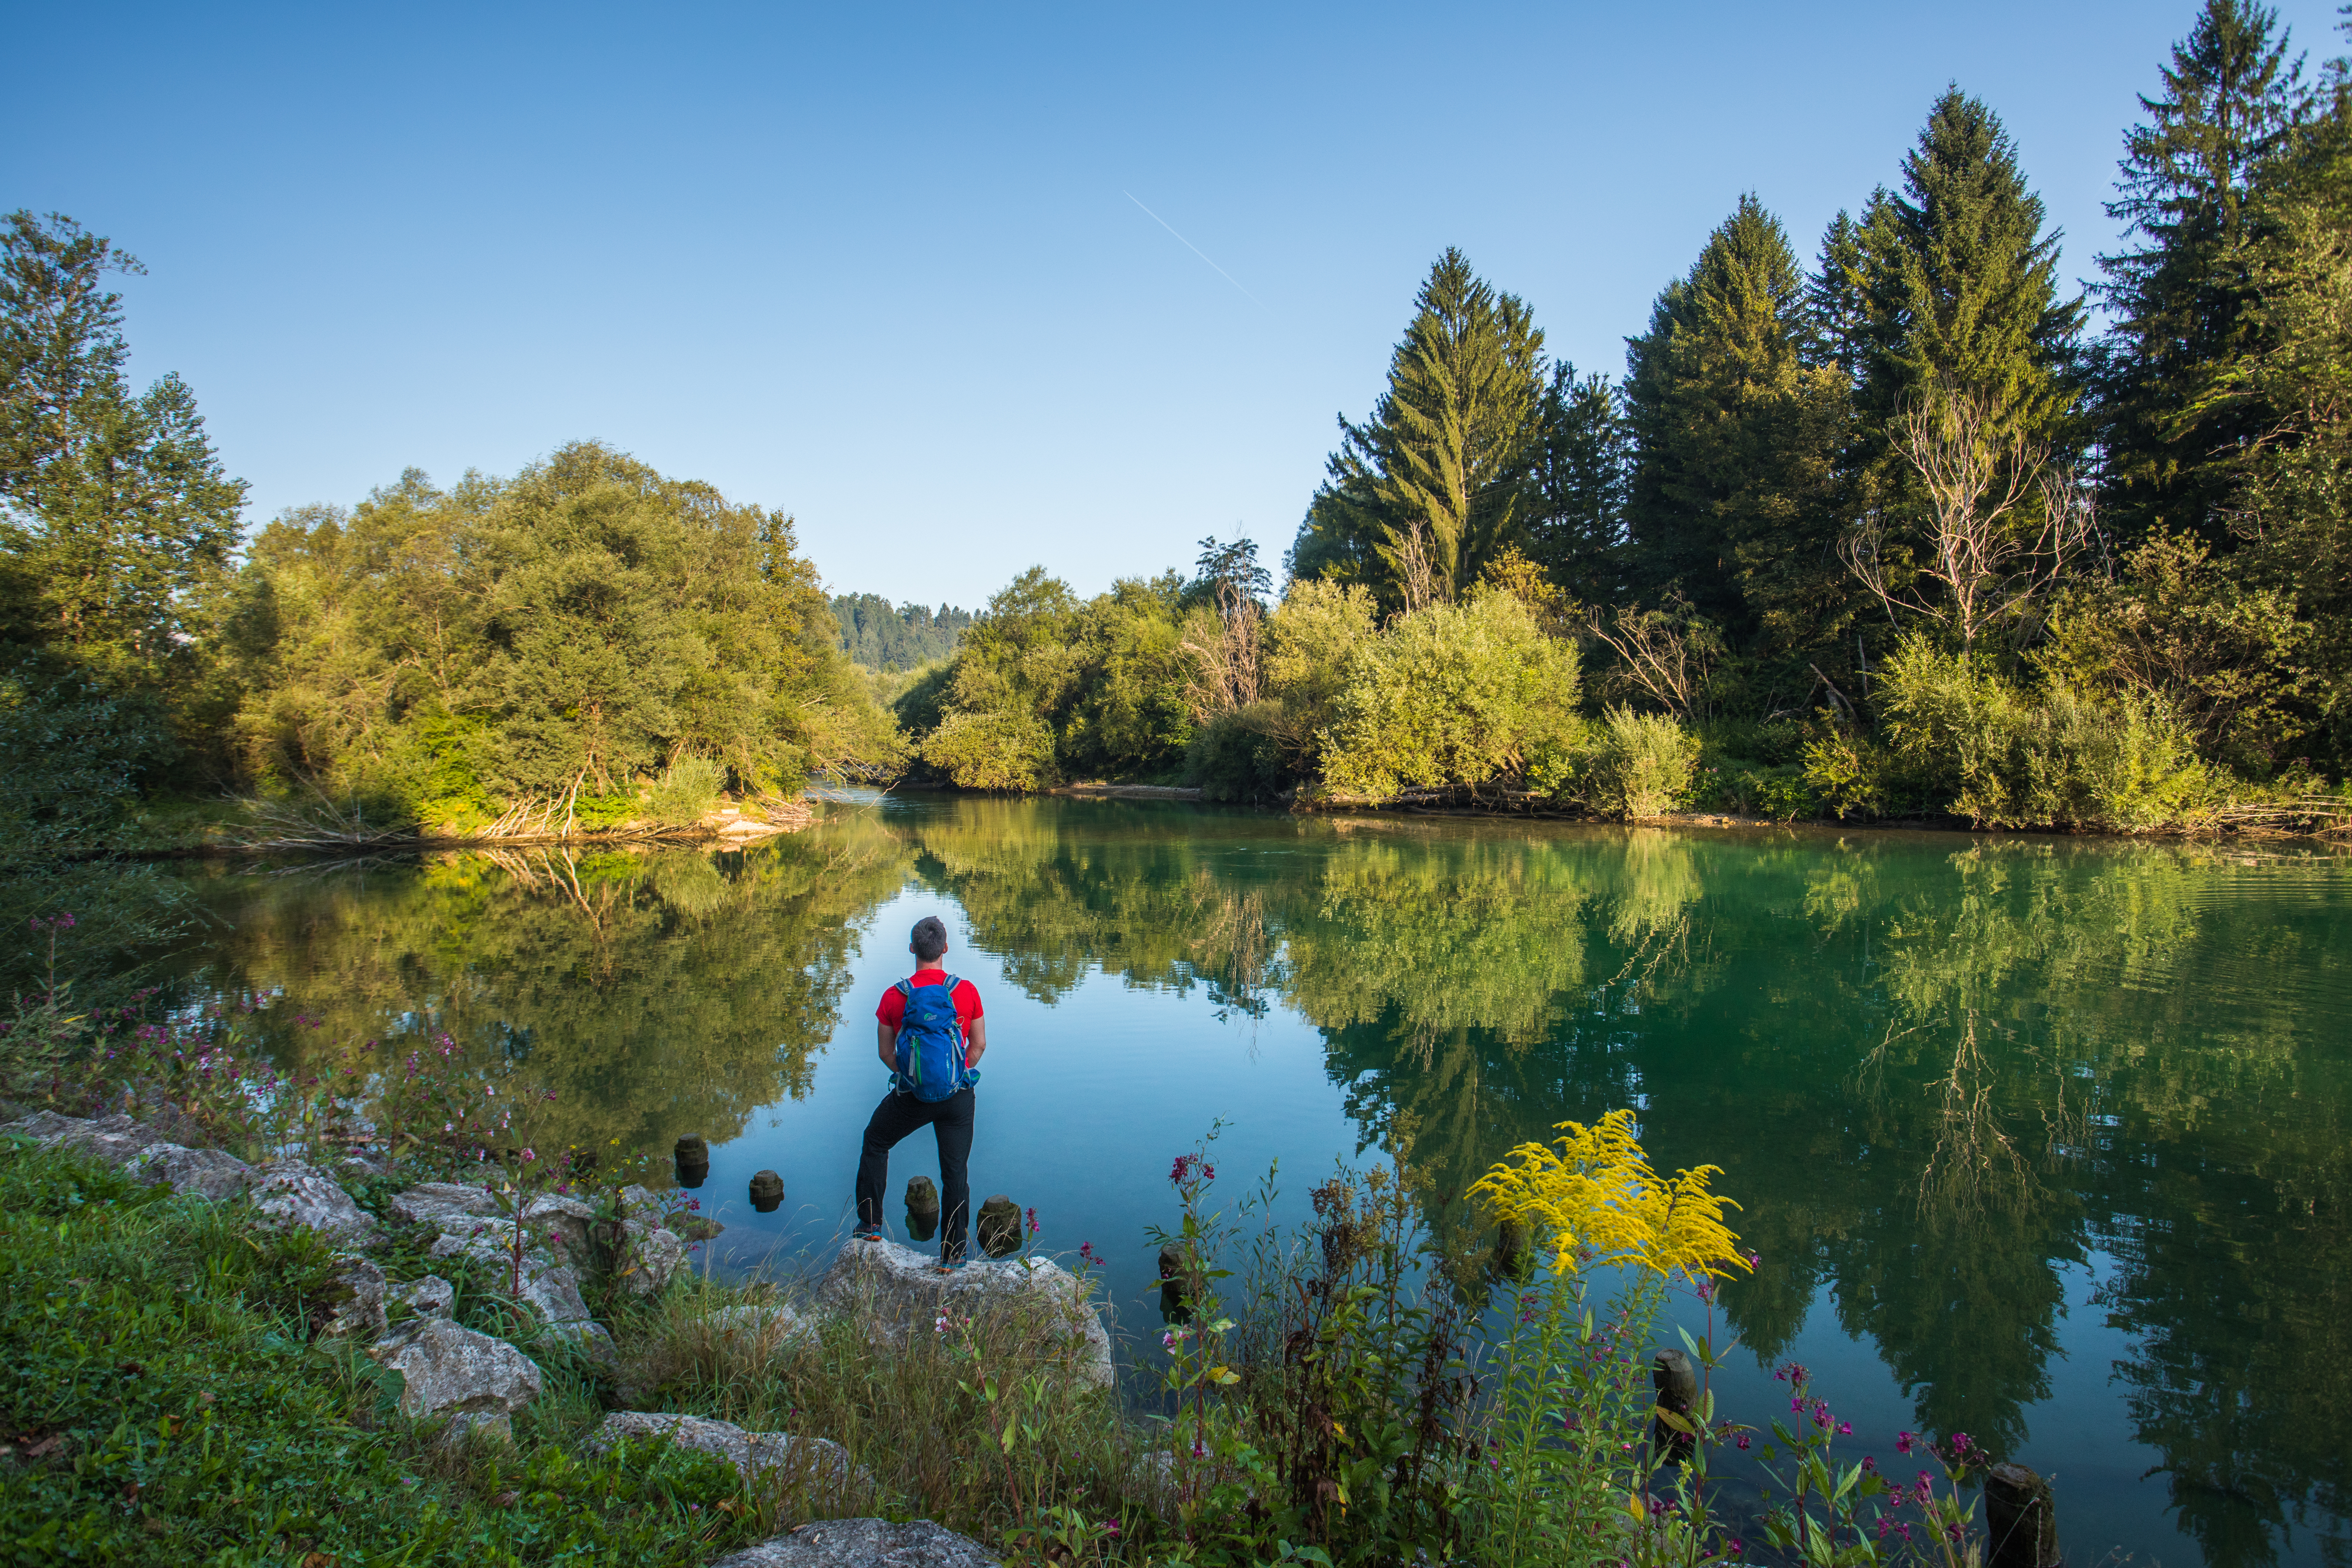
<point x="896" y="1290"/>
<point x="476" y="1381"/>
<point x="291" y="1193"/>
<point x="865" y="1544"/>
<point x="817" y="1465"/>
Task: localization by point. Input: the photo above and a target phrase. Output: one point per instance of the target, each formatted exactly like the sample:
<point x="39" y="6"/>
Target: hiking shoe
<point x="875" y="1235"/>
<point x="950" y="1265"/>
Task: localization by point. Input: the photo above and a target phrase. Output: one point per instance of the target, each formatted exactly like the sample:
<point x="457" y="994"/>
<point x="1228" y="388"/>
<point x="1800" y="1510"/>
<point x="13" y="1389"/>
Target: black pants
<point x="894" y="1119"/>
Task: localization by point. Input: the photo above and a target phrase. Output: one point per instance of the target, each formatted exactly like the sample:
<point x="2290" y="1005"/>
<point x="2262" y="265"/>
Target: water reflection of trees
<point x="657" y="994"/>
<point x="1937" y="1079"/>
<point x="1941" y="1077"/>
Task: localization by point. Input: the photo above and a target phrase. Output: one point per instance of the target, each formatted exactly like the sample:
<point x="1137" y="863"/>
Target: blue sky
<point x="884" y="268"/>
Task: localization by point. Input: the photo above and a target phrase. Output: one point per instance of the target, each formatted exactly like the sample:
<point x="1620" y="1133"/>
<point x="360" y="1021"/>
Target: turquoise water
<point x="2043" y="1140"/>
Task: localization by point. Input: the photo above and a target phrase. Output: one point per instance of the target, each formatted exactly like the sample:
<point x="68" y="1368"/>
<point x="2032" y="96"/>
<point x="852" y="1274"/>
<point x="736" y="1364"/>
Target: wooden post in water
<point x="2021" y="1519"/>
<point x="693" y="1158"/>
<point x="767" y="1190"/>
<point x="1677" y="1382"/>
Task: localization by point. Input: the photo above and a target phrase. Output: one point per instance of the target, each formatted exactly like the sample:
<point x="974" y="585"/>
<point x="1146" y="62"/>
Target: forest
<point x="1907" y="532"/>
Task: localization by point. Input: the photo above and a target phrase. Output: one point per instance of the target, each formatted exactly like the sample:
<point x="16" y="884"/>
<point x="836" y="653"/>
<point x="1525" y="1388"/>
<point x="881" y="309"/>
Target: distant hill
<point x="881" y="636"/>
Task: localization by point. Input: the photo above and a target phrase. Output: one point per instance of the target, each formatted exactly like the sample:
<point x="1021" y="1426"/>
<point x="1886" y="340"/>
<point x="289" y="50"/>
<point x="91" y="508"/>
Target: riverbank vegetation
<point x="1892" y="535"/>
<point x="183" y="1374"/>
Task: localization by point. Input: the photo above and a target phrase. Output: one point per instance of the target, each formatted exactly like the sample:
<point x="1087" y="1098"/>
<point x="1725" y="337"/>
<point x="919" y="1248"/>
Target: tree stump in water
<point x="2021" y="1519"/>
<point x="999" y="1226"/>
<point x="692" y="1156"/>
<point x="922" y="1195"/>
<point x="1677" y="1382"/>
<point x="767" y="1190"/>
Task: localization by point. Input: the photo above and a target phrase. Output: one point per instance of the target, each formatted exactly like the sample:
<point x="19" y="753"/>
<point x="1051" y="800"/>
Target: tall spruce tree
<point x="1576" y="503"/>
<point x="1957" y="287"/>
<point x="2230" y="100"/>
<point x="1422" y="495"/>
<point x="1737" y="429"/>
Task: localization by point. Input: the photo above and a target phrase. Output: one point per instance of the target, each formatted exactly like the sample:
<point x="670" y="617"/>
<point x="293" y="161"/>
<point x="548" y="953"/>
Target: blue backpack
<point x="930" y="1043"/>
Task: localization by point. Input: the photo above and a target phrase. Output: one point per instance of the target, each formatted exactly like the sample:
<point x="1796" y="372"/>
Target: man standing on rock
<point x="931" y="1034"/>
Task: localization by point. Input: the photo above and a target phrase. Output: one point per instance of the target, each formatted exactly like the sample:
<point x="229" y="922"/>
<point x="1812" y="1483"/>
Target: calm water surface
<point x="2040" y="1140"/>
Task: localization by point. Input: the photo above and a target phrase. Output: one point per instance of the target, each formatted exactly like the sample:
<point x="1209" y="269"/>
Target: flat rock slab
<point x="897" y="1289"/>
<point x="865" y="1544"/>
<point x="291" y="1193"/>
<point x="819" y="1463"/>
<point x="450" y="1370"/>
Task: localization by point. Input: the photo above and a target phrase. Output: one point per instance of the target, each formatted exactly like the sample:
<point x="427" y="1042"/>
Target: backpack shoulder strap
<point x="905" y="988"/>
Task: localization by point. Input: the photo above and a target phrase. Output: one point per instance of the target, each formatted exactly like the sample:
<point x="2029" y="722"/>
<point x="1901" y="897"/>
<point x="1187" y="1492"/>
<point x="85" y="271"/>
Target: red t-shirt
<point x="893" y="1009"/>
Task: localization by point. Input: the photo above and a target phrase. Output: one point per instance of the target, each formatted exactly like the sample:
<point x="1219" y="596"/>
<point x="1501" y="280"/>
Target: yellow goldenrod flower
<point x="1596" y="1191"/>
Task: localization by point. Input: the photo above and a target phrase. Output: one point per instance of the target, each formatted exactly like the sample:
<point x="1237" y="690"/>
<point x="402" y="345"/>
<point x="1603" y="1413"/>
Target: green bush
<point x="687" y="789"/>
<point x="1988" y="751"/>
<point x="1783" y="792"/>
<point x="1456" y="695"/>
<point x="1641" y="767"/>
<point x="1236" y="758"/>
<point x="1004" y="751"/>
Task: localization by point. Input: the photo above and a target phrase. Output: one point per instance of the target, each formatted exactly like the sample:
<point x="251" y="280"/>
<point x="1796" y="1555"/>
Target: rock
<point x="593" y="1340"/>
<point x="894" y="1291"/>
<point x="358" y="1303"/>
<point x="922" y="1195"/>
<point x="431" y="1297"/>
<point x="365" y="1161"/>
<point x="209" y="1173"/>
<point x="448" y="1370"/>
<point x="999" y="1226"/>
<point x="562" y="1220"/>
<point x="549" y="1288"/>
<point x="472" y="1225"/>
<point x="115" y="1139"/>
<point x="445" y="1204"/>
<point x="291" y="1193"/>
<point x="778" y="1457"/>
<point x="864" y="1543"/>
<point x="650" y="1256"/>
<point x="761" y="1331"/>
<point x="141" y="1152"/>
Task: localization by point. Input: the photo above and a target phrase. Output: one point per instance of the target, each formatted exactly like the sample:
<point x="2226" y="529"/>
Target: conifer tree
<point x="1737" y="430"/>
<point x="1958" y="285"/>
<point x="2230" y="99"/>
<point x="1422" y="495"/>
<point x="1576" y="506"/>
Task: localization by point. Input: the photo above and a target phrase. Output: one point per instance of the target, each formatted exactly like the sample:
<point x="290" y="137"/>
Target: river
<point x="2045" y="1139"/>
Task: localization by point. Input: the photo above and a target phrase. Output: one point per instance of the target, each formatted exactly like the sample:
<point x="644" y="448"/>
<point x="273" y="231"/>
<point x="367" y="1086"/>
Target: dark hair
<point x="929" y="937"/>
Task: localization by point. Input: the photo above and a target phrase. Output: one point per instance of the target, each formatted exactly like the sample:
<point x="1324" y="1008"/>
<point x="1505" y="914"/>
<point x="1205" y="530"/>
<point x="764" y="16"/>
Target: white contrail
<point x="1196" y="250"/>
